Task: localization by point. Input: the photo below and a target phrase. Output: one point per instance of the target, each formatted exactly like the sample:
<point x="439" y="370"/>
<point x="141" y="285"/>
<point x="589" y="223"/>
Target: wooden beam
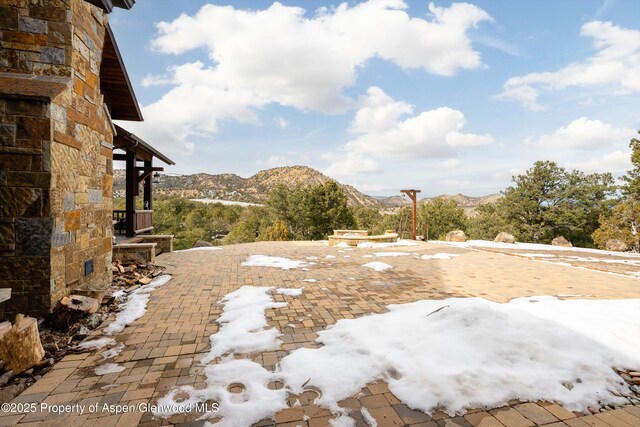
<point x="148" y="165"/>
<point x="119" y="156"/>
<point x="414" y="211"/>
<point x="146" y="171"/>
<point x="131" y="190"/>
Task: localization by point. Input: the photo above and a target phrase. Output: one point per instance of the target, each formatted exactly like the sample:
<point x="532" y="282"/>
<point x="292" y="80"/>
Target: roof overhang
<point x="115" y="84"/>
<point x="108" y="5"/>
<point x="129" y="142"/>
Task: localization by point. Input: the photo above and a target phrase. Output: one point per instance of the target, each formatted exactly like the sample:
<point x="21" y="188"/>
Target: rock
<point x="561" y="241"/>
<point x="456" y="236"/>
<point x="593" y="410"/>
<point x="83" y="331"/>
<point x="93" y="321"/>
<point x="503" y="237"/>
<point x="9" y="393"/>
<point x="634" y="373"/>
<point x="202" y="244"/>
<point x="616" y="245"/>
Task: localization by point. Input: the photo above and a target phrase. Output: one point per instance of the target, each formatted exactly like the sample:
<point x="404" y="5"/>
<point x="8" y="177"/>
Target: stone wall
<point x="55" y="155"/>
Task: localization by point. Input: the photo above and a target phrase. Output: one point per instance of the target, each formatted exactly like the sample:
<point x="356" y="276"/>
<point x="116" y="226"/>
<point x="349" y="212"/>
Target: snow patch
<point x="243" y="322"/>
<point x="529" y="247"/>
<point x="254" y="403"/>
<point x="383" y="254"/>
<point x="136" y="305"/>
<point x="112" y="352"/>
<point x="471" y="352"/>
<point x="292" y="292"/>
<point x="203" y="248"/>
<point x="387" y="245"/>
<point x="368" y="417"/>
<point x="341" y="245"/>
<point x="533" y="255"/>
<point x="96" y="344"/>
<point x="441" y="255"/>
<point x="273" y="261"/>
<point x="310" y="280"/>
<point x="330" y="256"/>
<point x="377" y="266"/>
<point x="108" y="368"/>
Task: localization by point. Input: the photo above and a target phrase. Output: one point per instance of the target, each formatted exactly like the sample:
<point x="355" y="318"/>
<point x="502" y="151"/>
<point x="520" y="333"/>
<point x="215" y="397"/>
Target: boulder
<point x="561" y="241"/>
<point x="456" y="236"/>
<point x="503" y="237"/>
<point x="616" y="245"/>
<point x="202" y="244"/>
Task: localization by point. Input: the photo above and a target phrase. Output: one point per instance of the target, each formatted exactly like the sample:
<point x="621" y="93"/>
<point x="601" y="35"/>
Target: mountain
<point x="254" y="189"/>
<point x="469" y="204"/>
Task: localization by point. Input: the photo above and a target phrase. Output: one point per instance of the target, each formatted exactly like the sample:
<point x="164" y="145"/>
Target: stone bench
<point x="353" y="240"/>
<point x="350" y="232"/>
<point x="140" y="252"/>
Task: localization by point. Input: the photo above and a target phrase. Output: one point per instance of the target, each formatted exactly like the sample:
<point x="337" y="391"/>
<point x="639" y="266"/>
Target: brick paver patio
<point x="163" y="348"/>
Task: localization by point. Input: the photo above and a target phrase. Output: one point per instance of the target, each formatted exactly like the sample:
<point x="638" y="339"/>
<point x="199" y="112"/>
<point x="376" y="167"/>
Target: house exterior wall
<point x="55" y="155"/>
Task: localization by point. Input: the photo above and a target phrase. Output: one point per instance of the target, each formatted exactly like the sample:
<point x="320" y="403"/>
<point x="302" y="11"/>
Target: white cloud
<point x="585" y="134"/>
<point x="616" y="162"/>
<point x="280" y="55"/>
<point x="281" y="122"/>
<point x="450" y="163"/>
<point x="382" y="131"/>
<point x="616" y="64"/>
<point x="273" y="161"/>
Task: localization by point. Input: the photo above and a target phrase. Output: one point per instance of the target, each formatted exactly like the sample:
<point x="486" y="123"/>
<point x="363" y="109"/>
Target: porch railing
<point x="142" y="221"/>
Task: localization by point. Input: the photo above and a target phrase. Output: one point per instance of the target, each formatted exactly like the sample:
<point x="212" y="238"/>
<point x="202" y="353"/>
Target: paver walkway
<point x="162" y="349"/>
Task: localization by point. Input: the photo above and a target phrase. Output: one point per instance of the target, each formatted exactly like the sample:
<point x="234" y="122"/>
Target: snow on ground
<point x="529" y="247"/>
<point x="253" y="404"/>
<point x="243" y="323"/>
<point x="135" y="306"/>
<point x="378" y="266"/>
<point x="96" y="344"/>
<point x="225" y="202"/>
<point x="292" y="292"/>
<point x="273" y="261"/>
<point x="310" y="280"/>
<point x="387" y="245"/>
<point x="441" y="255"/>
<point x="330" y="256"/>
<point x="534" y="255"/>
<point x="462" y="353"/>
<point x="112" y="352"/>
<point x="368" y="417"/>
<point x="383" y="254"/>
<point x="203" y="248"/>
<point x="108" y="368"/>
<point x="341" y="245"/>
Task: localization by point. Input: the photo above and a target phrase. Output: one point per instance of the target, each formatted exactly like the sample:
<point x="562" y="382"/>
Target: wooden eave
<point x="115" y="84"/>
<point x="108" y="5"/>
<point x="129" y="142"/>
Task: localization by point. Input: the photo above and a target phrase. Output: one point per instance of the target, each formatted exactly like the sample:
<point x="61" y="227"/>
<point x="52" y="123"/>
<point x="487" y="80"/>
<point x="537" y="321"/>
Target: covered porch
<point x="136" y="219"/>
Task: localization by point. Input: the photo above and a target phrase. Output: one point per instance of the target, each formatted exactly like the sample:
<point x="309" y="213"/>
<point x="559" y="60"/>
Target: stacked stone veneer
<point x="55" y="153"/>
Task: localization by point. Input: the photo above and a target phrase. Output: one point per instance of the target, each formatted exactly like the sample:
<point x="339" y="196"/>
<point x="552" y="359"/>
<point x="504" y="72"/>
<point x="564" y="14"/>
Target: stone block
<point x="7" y="233"/>
<point x="68" y="202"/>
<point x="72" y="273"/>
<point x="16" y="202"/>
<point x="95" y="196"/>
<point x="30" y="25"/>
<point x="72" y="220"/>
<point x="52" y="55"/>
<point x="60" y="239"/>
<point x="60" y="32"/>
<point x="33" y="236"/>
<point x="20" y="107"/>
<point x="15" y="162"/>
<point x="7" y="135"/>
<point x="33" y="128"/>
<point x="48" y="13"/>
<point x="8" y="18"/>
<point x="29" y="179"/>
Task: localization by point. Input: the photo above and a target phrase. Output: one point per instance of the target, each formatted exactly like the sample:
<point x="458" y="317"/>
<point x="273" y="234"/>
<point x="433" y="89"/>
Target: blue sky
<point x="447" y="97"/>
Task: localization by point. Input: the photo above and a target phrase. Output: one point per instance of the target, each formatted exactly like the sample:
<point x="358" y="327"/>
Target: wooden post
<point x="414" y="212"/>
<point x="148" y="203"/>
<point x="130" y="193"/>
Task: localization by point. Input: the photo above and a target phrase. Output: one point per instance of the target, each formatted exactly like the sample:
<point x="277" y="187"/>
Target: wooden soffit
<point x="115" y="84"/>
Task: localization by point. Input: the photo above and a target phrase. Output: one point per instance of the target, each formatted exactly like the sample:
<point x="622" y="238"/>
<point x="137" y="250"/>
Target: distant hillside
<point x="254" y="189"/>
<point x="468" y="203"/>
